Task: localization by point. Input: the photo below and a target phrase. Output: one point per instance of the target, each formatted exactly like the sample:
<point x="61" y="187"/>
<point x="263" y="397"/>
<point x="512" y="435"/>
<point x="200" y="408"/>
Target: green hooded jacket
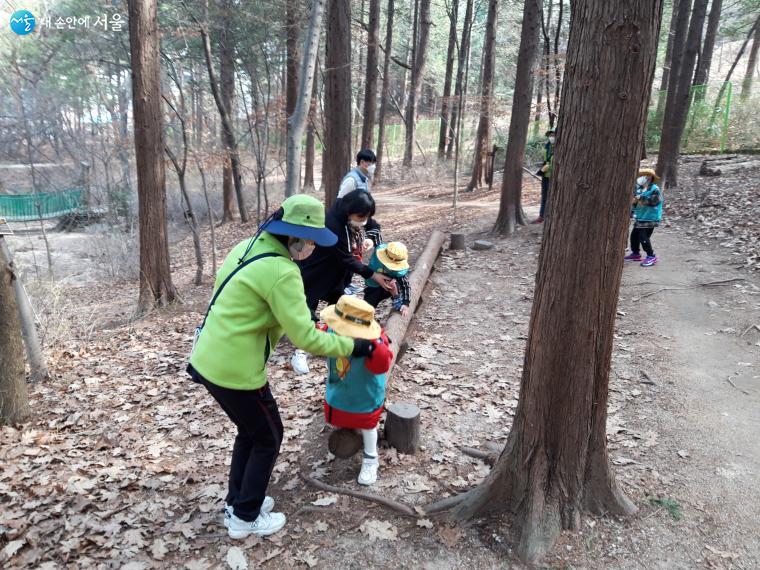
<point x="258" y="305"/>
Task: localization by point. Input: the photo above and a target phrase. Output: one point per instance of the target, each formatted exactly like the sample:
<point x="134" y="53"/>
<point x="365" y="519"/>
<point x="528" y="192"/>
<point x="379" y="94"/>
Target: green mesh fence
<point x="43" y="205"/>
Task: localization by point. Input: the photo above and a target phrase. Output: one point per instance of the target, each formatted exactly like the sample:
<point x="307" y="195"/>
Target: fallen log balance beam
<point x="344" y="443"/>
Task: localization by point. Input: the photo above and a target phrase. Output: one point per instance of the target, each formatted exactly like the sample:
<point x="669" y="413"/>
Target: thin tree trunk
<point x="510" y="209"/>
<point x="297" y="121"/>
<point x="156" y="288"/>
<point x="672" y="48"/>
<point x="483" y="137"/>
<point x="556" y="62"/>
<point x="209" y="212"/>
<point x="385" y="92"/>
<point x="751" y="64"/>
<point x="675" y="115"/>
<point x="14" y="400"/>
<point x="445" y="131"/>
<point x="227" y="91"/>
<point x="336" y="157"/>
<point x="370" y="92"/>
<point x="705" y="58"/>
<point x="545" y="29"/>
<point x="292" y="11"/>
<point x="464" y="53"/>
<point x="418" y="69"/>
<point x="555" y="463"/>
<point x="738" y="57"/>
<point x="308" y="176"/>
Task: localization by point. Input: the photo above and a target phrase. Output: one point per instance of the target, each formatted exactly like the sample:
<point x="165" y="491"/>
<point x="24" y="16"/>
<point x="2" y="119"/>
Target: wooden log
<point x="457" y="241"/>
<point x="344" y="443"/>
<point x="402" y="427"/>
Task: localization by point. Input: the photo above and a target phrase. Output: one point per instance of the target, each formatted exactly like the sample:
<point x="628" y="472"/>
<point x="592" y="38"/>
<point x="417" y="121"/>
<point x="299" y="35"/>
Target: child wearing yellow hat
<point x="356" y="386"/>
<point x="647" y="212"/>
<point x="390" y="259"/>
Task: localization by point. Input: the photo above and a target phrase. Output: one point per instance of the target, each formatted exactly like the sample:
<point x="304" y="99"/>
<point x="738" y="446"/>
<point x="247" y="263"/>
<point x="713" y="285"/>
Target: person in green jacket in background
<point x="258" y="297"/>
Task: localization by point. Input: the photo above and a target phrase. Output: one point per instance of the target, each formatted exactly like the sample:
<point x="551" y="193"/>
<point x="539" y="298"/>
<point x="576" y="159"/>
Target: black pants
<point x="375" y="295"/>
<point x="257" y="443"/>
<point x="640" y="237"/>
<point x="545" y="182"/>
<point x="312" y="301"/>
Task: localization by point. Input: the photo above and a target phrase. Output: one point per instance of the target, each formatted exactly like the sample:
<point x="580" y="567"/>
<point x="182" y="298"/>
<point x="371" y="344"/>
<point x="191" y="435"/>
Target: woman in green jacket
<point x="259" y="296"/>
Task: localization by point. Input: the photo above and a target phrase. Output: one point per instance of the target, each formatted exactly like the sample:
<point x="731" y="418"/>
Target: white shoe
<point x="368" y="474"/>
<point x="266" y="507"/>
<point x="300" y="362"/>
<point x="264" y="525"/>
<point x="353" y="289"/>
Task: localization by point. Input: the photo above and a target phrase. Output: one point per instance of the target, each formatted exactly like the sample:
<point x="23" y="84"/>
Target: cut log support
<point x="344" y="443"/>
<point x="402" y="427"/>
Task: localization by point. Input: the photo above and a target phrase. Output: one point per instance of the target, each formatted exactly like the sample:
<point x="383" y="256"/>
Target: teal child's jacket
<point x="649" y="204"/>
<point x="377" y="266"/>
<point x="263" y="301"/>
<point x="352" y="387"/>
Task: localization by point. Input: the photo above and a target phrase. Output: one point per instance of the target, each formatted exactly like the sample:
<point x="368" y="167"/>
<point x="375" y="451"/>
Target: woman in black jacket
<point x="328" y="270"/>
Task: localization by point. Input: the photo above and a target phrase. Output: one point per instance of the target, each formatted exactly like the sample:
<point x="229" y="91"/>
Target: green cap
<point x="303" y="217"/>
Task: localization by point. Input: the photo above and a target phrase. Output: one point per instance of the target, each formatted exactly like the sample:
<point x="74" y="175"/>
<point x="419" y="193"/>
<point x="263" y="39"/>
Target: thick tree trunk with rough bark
<point x="510" y="210"/>
<point x="705" y="58"/>
<point x="483" y="136"/>
<point x="297" y="121"/>
<point x="555" y="463"/>
<point x="751" y="63"/>
<point x="370" y="88"/>
<point x="336" y="158"/>
<point x="445" y="129"/>
<point x="462" y="56"/>
<point x="385" y="91"/>
<point x="667" y="64"/>
<point x="14" y="401"/>
<point x="418" y="69"/>
<point x="675" y="114"/>
<point x="156" y="288"/>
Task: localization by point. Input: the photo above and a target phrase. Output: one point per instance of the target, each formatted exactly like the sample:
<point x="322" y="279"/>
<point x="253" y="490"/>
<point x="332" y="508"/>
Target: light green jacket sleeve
<point x="287" y="301"/>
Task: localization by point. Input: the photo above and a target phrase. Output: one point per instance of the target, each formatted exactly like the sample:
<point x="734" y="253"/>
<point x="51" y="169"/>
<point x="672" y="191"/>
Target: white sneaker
<point x="264" y="525"/>
<point x="368" y="474"/>
<point x="266" y="507"/>
<point x="353" y="289"/>
<point x="300" y="362"/>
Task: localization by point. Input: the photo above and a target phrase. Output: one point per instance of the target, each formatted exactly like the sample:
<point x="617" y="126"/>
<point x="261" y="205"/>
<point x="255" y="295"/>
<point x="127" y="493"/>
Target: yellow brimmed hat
<point x="649" y="172"/>
<point x="394" y="256"/>
<point x="351" y="316"/>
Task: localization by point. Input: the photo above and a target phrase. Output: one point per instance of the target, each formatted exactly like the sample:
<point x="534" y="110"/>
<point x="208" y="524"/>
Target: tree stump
<point x="457" y="241"/>
<point x="344" y="443"/>
<point x="402" y="427"/>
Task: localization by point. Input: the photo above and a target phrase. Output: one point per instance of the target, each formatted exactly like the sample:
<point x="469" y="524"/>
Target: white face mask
<point x="357" y="224"/>
<point x="642" y="180"/>
<point x="371" y="170"/>
<point x="300" y="249"/>
<point x="552" y="140"/>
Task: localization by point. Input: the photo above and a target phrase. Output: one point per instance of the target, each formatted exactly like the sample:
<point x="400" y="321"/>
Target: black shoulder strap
<point x="231" y="275"/>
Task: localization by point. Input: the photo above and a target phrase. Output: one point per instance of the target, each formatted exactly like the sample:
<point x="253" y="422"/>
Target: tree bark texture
<point x="510" y="210"/>
<point x="483" y="136"/>
<point x="702" y="74"/>
<point x="462" y="56"/>
<point x="385" y="91"/>
<point x="156" y="288"/>
<point x="751" y="64"/>
<point x="418" y="69"/>
<point x="555" y="462"/>
<point x="370" y="88"/>
<point x="671" y="46"/>
<point x="336" y="158"/>
<point x="724" y="85"/>
<point x="445" y="129"/>
<point x="14" y="401"/>
<point x="675" y="114"/>
<point x="292" y="23"/>
<point x="308" y="173"/>
<point x="227" y="88"/>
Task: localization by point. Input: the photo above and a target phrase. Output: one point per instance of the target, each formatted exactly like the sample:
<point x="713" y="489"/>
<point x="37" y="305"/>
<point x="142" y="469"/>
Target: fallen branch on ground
<point x="737" y="387"/>
<point x="749" y="328"/>
<point x="487" y="457"/>
<point x="390" y="503"/>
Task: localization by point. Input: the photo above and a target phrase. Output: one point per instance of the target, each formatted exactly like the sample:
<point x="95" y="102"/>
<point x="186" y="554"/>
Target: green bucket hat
<point x="303" y="217"/>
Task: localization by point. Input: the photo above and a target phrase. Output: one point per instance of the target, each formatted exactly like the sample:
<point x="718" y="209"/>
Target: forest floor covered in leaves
<point x="124" y="461"/>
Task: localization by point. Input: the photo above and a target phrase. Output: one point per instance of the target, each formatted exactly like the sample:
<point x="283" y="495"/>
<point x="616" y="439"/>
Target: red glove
<point x="380" y="360"/>
<point x="321" y="326"/>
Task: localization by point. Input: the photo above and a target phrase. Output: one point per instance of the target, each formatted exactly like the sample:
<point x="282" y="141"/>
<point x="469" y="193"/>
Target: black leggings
<point x="640" y="237"/>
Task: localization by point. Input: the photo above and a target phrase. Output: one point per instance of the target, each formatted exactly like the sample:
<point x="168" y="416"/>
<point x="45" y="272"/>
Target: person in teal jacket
<point x="258" y="297"/>
<point x="647" y="211"/>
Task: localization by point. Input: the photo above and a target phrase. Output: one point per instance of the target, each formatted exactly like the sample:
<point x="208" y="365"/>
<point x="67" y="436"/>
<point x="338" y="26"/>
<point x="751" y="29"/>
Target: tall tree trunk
<point x="675" y="115"/>
<point x="557" y="66"/>
<point x="555" y="463"/>
<point x="483" y="137"/>
<point x="292" y="24"/>
<point x="370" y="90"/>
<point x="156" y="288"/>
<point x="671" y="48"/>
<point x="751" y="64"/>
<point x="14" y="401"/>
<point x="546" y="22"/>
<point x="752" y="31"/>
<point x="445" y="130"/>
<point x="336" y="158"/>
<point x="418" y="69"/>
<point x="705" y="58"/>
<point x="510" y="209"/>
<point x="462" y="57"/>
<point x="297" y="121"/>
<point x="227" y="88"/>
<point x="308" y="175"/>
<point x="385" y="91"/>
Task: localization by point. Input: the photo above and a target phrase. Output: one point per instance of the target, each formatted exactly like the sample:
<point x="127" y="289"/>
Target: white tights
<point x="370" y="441"/>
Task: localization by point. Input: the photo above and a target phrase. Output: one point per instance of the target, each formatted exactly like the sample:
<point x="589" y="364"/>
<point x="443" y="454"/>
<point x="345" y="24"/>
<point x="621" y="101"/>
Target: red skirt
<point x="351" y="420"/>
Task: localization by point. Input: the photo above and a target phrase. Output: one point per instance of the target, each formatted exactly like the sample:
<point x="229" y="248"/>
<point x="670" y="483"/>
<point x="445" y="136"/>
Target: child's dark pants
<point x="640" y="237"/>
<point x="375" y="295"/>
<point x="256" y="447"/>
